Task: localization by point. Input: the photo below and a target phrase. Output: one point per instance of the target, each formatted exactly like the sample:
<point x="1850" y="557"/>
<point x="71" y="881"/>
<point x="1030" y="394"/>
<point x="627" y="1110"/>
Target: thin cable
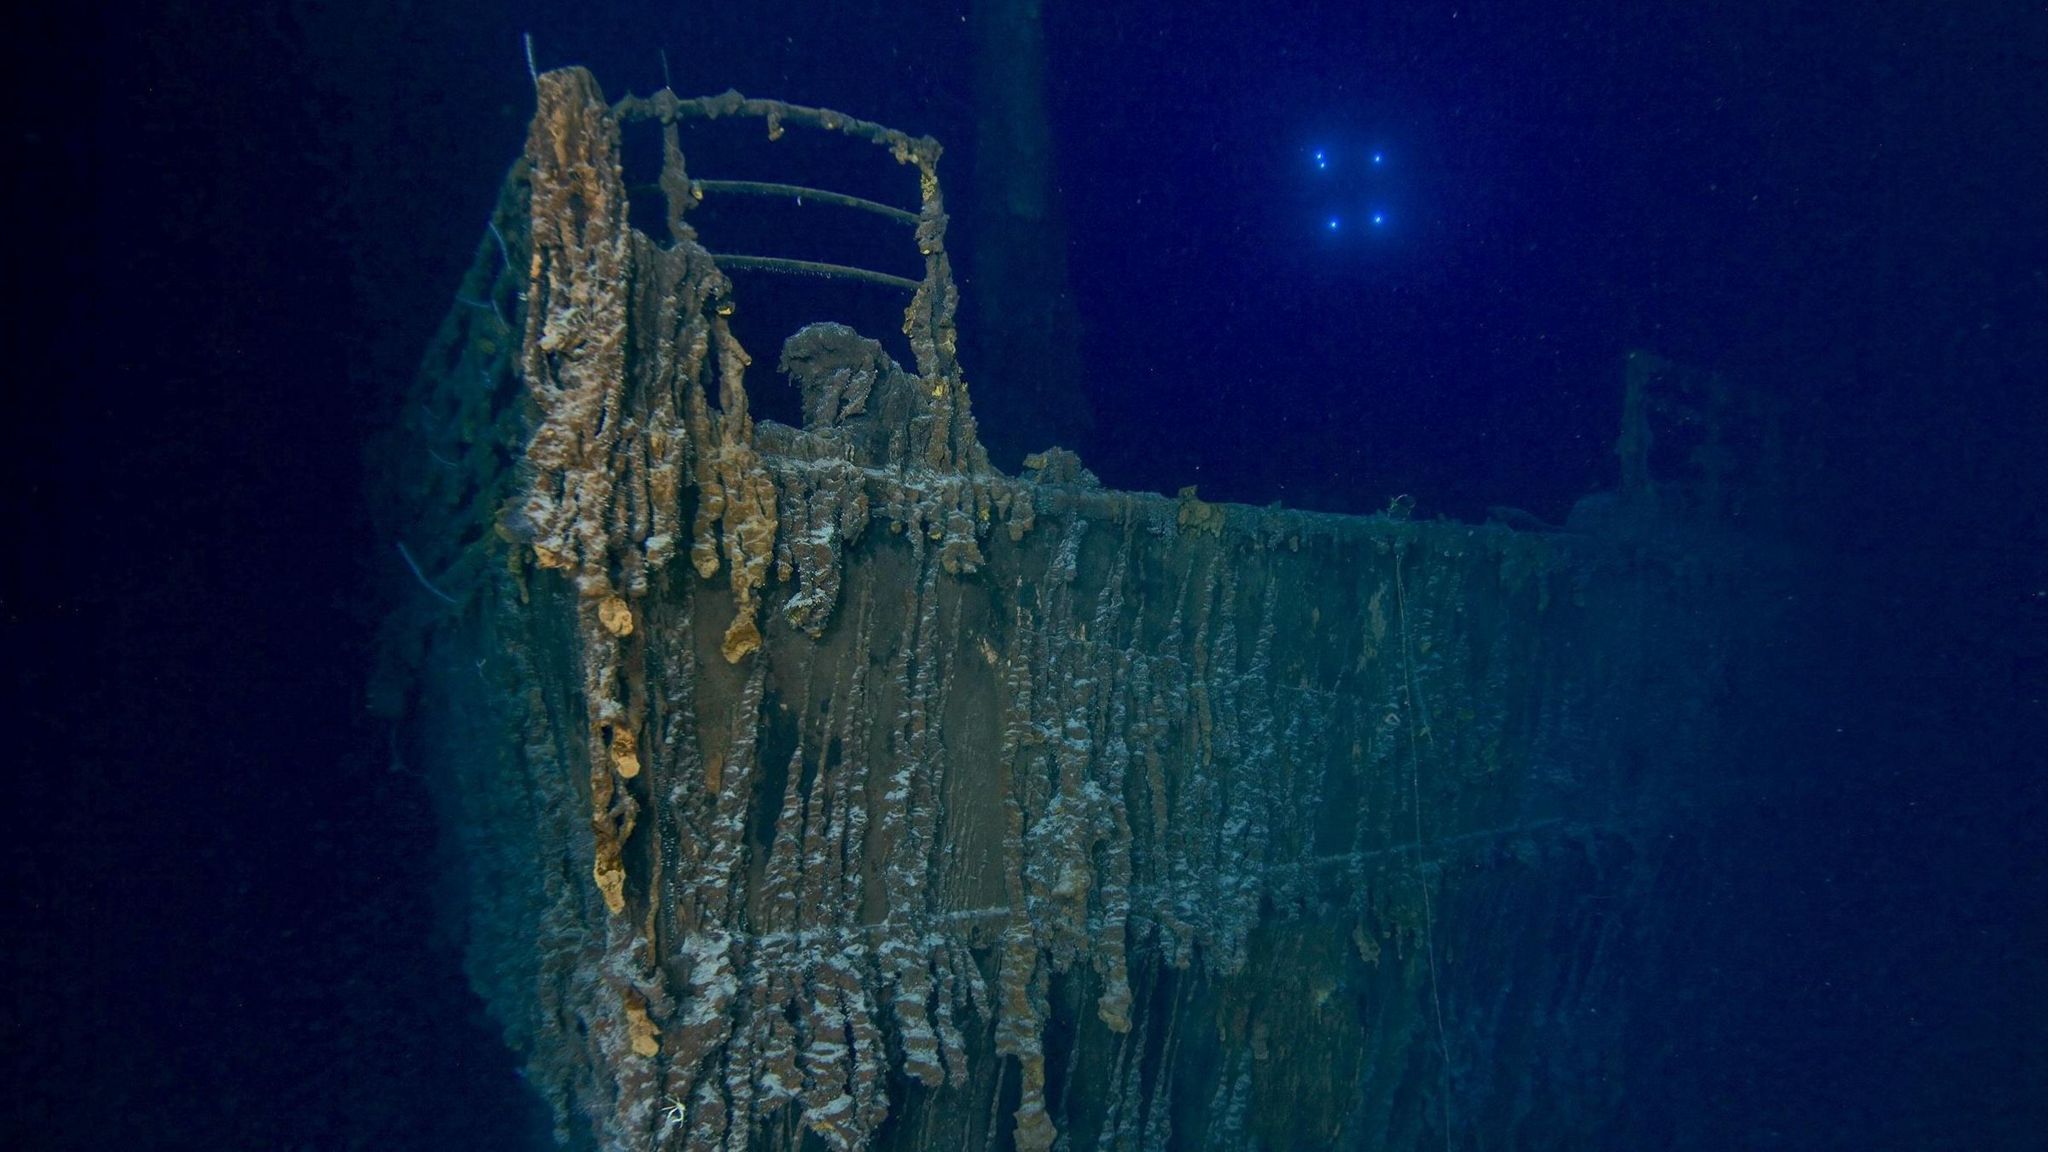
<point x="422" y="576"/>
<point x="1422" y="882"/>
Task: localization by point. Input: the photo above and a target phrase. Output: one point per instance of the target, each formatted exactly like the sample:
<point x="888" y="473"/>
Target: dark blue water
<point x="1319" y="254"/>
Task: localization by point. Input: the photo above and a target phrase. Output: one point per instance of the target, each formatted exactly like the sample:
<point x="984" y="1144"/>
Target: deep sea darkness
<point x="235" y="226"/>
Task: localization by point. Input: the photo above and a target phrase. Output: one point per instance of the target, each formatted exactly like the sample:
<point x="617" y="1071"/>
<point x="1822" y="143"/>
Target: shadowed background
<point x="243" y="222"/>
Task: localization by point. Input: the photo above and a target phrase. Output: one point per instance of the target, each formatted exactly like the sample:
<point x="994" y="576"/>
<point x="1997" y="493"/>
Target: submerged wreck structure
<point x="825" y="787"/>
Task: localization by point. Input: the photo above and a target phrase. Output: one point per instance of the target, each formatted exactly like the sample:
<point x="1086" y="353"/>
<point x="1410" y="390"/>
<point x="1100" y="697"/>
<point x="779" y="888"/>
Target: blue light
<point x="1379" y="218"/>
<point x="1333" y="224"/>
<point x="1379" y="158"/>
<point x="1322" y="158"/>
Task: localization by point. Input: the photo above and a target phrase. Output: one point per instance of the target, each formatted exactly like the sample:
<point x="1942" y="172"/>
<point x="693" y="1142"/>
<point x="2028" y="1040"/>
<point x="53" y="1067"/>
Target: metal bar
<point x="668" y="108"/>
<point x="759" y="188"/>
<point x="814" y="268"/>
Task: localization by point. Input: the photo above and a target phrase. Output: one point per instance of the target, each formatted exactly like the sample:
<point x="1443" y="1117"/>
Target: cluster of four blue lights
<point x="1322" y="161"/>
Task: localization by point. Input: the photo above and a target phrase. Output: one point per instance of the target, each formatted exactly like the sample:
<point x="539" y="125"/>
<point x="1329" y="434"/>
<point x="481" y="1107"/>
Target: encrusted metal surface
<point x="930" y="807"/>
